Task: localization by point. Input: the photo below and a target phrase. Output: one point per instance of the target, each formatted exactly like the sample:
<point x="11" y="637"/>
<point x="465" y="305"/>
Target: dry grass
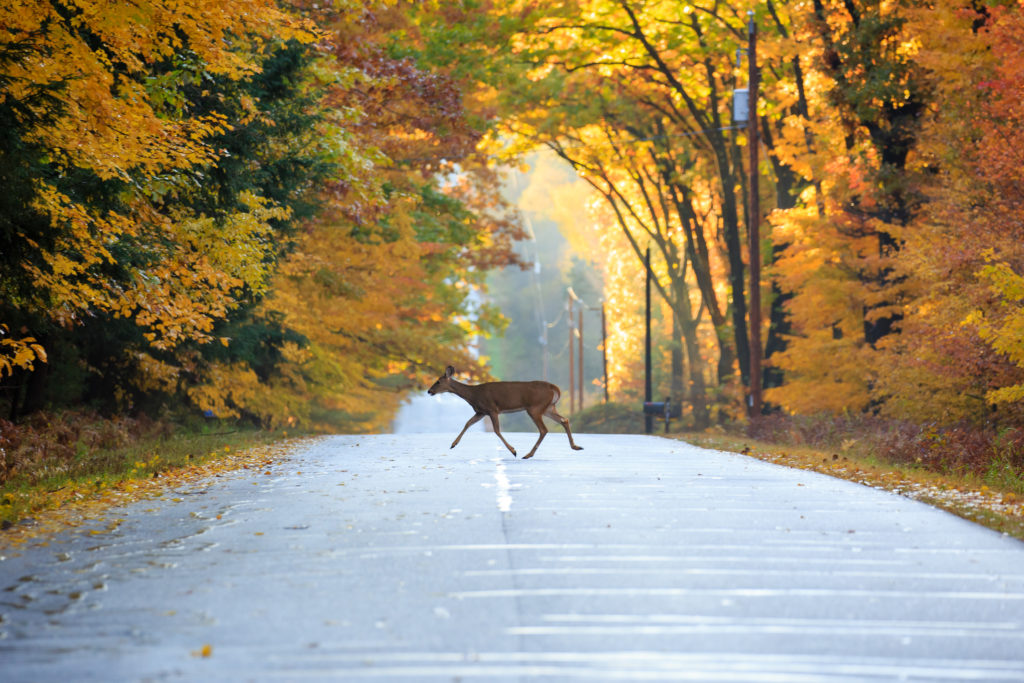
<point x="975" y="473"/>
<point x="997" y="507"/>
<point x="69" y="463"/>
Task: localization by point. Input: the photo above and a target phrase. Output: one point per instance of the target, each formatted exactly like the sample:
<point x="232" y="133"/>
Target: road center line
<point x="504" y="492"/>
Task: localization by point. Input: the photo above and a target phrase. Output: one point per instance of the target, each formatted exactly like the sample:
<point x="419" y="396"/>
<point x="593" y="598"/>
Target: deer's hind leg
<point x="564" y="421"/>
<point x="497" y="430"/>
<point x="538" y="419"/>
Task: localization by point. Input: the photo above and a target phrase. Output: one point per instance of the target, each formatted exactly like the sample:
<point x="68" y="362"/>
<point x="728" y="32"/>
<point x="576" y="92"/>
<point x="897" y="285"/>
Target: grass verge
<point x="53" y="488"/>
<point x="998" y="507"/>
<point x="969" y="473"/>
<point x="71" y="468"/>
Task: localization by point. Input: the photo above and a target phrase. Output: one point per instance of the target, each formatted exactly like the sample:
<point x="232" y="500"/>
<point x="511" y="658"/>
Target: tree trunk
<point x="685" y="326"/>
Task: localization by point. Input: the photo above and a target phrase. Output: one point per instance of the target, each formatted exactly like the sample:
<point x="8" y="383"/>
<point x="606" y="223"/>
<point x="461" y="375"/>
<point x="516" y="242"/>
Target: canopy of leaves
<point x="282" y="214"/>
<point x="892" y="158"/>
<point x="234" y="208"/>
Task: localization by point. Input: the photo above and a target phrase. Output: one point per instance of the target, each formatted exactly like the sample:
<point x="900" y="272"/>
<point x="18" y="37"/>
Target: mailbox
<point x="664" y="409"/>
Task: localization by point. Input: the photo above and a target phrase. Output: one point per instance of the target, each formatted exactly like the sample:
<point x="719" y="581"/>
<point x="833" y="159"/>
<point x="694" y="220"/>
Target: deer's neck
<point x="463" y="391"/>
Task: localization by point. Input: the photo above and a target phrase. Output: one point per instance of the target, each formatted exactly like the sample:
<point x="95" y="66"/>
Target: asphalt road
<point x="394" y="558"/>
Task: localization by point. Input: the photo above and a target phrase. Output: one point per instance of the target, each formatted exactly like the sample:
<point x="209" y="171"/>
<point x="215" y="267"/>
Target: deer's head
<point x="443" y="383"/>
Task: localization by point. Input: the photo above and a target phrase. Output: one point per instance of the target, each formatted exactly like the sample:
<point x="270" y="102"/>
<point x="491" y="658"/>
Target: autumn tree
<point x="853" y="148"/>
<point x="892" y="257"/>
<point x="636" y="183"/>
<point x="998" y="160"/>
<point x="378" y="284"/>
<point x="658" y="76"/>
<point x="100" y="139"/>
<point x="262" y="227"/>
<point x="957" y="355"/>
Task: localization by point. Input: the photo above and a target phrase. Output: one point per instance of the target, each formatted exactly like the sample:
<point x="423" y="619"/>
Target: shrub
<point x="609" y="418"/>
<point x="50" y="444"/>
<point x="960" y="449"/>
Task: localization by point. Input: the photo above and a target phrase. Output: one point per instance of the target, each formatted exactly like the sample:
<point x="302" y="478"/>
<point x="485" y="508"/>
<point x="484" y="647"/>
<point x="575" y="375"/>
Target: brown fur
<point x="490" y="399"/>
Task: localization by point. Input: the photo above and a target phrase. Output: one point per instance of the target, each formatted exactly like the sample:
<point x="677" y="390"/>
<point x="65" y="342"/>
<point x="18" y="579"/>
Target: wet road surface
<point x="394" y="558"/>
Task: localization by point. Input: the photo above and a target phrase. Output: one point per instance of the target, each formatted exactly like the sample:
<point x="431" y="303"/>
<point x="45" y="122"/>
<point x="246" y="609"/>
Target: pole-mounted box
<point x="740" y="105"/>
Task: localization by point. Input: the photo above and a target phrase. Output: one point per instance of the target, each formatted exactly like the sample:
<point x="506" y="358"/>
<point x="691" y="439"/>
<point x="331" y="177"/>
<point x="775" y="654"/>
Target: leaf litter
<point x="78" y="504"/>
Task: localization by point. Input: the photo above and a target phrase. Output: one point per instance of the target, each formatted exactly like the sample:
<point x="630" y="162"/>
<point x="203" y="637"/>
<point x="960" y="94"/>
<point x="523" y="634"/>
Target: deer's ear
<point x="449" y="371"/>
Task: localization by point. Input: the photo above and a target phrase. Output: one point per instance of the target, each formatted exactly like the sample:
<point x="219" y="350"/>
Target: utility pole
<point x="575" y="364"/>
<point x="604" y="349"/>
<point x="579" y="355"/>
<point x="572" y="360"/>
<point x="753" y="220"/>
<point x="648" y="393"/>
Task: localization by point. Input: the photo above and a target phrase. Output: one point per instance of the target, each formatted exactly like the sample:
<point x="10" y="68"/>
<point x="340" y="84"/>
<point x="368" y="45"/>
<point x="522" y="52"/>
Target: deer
<point x="490" y="399"/>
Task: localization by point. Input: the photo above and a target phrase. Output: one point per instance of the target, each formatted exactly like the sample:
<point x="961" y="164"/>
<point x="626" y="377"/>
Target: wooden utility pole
<point x="576" y="349"/>
<point x="753" y="221"/>
<point x="604" y="349"/>
<point x="572" y="351"/>
<point x="579" y="354"/>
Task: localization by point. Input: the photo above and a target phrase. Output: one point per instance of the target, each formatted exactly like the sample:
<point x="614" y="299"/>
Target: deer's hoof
<point x="527" y="456"/>
<point x="577" y="448"/>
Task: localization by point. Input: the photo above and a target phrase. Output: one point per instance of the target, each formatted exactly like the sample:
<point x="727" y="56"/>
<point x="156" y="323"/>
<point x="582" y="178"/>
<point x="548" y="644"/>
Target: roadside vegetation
<point x="57" y="469"/>
<point x="973" y="473"/>
<point x="57" y="461"/>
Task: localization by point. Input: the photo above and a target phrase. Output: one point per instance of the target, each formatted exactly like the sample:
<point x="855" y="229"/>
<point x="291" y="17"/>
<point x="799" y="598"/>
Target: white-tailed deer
<point x="490" y="399"/>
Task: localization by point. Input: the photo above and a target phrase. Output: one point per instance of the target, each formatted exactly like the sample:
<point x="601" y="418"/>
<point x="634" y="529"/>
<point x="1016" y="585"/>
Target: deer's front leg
<point x="472" y="421"/>
<point x="497" y="430"/>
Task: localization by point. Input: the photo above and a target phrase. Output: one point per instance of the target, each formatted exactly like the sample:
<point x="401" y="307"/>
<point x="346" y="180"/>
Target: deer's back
<point x="508" y="397"/>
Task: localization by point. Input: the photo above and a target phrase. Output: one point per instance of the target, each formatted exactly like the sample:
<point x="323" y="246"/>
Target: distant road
<point x="434" y="414"/>
<point x="394" y="558"/>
